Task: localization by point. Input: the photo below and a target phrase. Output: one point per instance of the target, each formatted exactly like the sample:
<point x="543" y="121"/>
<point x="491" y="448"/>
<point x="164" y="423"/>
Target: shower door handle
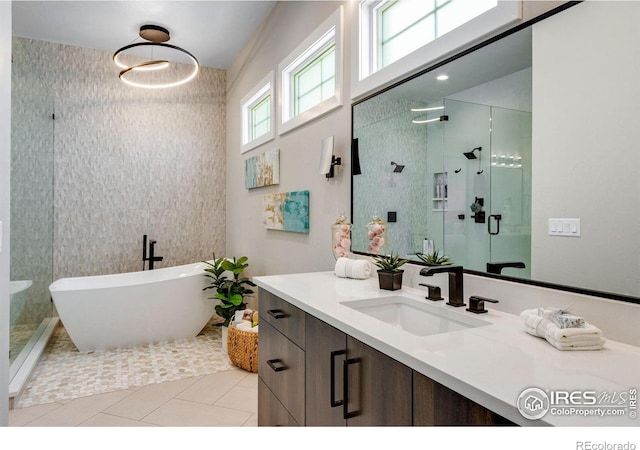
<point x="498" y="218"/>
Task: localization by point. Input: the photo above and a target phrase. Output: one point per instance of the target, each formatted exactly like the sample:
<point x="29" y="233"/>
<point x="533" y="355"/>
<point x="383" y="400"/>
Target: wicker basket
<point x="242" y="347"/>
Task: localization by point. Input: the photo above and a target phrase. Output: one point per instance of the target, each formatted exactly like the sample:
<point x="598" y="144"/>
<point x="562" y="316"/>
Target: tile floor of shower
<point x="218" y="395"/>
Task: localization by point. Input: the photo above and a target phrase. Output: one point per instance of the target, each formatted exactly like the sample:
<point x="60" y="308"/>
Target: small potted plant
<point x="230" y="291"/>
<point x="389" y="272"/>
<point x="434" y="259"/>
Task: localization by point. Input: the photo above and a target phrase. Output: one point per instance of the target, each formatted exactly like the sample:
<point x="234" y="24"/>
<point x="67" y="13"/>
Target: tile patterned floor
<point x="65" y="374"/>
<point x="228" y="399"/>
<point x="189" y="382"/>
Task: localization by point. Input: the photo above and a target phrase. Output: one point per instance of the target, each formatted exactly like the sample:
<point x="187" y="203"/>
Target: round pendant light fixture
<point x="154" y="64"/>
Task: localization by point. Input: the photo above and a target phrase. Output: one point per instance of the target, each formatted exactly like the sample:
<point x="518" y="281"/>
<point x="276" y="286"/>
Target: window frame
<point x="366" y="79"/>
<point x="264" y="89"/>
<point x="330" y="31"/>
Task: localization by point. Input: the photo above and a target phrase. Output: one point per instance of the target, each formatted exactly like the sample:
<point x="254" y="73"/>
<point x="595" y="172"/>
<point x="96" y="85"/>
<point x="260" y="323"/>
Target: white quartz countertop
<point x="490" y="365"/>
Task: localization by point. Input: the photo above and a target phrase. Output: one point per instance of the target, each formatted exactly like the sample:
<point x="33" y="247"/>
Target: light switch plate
<point x="564" y="227"/>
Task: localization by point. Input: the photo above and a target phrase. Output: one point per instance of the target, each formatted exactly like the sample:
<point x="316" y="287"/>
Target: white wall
<point x="271" y="251"/>
<point x="585" y="129"/>
<point x="5" y="154"/>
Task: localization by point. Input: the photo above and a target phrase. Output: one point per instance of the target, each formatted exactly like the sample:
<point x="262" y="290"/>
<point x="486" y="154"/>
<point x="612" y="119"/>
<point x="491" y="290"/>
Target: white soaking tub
<point x="120" y="310"/>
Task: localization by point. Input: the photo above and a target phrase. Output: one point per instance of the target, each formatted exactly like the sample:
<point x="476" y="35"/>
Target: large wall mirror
<point x="465" y="157"/>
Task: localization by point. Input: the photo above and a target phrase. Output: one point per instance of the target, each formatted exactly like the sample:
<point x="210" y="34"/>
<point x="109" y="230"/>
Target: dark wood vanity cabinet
<point x="307" y="368"/>
<point x="437" y="405"/>
<point x="377" y="388"/>
<point x="281" y="360"/>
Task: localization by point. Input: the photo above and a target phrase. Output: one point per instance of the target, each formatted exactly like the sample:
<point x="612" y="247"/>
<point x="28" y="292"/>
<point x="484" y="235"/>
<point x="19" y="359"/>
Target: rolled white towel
<point x="352" y="268"/>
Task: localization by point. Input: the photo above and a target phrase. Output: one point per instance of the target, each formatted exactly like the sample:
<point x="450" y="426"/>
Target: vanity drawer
<point x="281" y="368"/>
<point x="283" y="316"/>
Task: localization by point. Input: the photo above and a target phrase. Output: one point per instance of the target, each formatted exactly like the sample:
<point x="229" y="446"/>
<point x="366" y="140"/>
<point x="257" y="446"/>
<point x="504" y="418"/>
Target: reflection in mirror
<point x="463" y="132"/>
<point x="491" y="164"/>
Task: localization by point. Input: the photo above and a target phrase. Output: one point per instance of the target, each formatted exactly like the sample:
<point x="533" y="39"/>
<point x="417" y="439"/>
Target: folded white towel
<point x="353" y="268"/>
<point x="595" y="345"/>
<point x="536" y="323"/>
<point x="573" y="334"/>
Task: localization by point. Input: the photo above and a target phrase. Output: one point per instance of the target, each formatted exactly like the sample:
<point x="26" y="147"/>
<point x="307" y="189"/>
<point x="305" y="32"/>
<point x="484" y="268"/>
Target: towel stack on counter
<point x="246" y="320"/>
<point x="359" y="269"/>
<point x="562" y="330"/>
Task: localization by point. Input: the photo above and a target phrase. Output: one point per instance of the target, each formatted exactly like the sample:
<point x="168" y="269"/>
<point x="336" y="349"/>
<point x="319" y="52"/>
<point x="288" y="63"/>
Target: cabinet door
<point x="435" y="404"/>
<point x="379" y="388"/>
<point x="325" y="352"/>
<point x="271" y="413"/>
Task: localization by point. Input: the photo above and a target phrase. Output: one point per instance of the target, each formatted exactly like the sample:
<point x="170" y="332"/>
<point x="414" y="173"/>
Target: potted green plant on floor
<point x="389" y="272"/>
<point x="230" y="291"/>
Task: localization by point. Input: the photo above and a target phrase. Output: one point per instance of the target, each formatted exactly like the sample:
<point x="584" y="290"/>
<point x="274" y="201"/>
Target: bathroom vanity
<point x="338" y="352"/>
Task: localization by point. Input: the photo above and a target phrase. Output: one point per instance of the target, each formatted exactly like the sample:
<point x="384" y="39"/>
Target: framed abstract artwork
<point x="287" y="211"/>
<point x="262" y="170"/>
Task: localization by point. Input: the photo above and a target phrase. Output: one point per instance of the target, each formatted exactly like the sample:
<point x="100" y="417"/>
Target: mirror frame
<point x="531" y="282"/>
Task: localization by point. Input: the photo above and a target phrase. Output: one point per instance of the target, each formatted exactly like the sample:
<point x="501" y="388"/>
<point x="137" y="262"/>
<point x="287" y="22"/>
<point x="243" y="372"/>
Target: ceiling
<point x="214" y="31"/>
<point x="501" y="58"/>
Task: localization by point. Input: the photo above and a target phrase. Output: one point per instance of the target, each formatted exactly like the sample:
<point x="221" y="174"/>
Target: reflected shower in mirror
<point x="461" y="140"/>
<point x="484" y="173"/>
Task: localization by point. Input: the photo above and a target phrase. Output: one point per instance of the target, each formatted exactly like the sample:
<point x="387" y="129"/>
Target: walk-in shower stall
<point x="32" y="152"/>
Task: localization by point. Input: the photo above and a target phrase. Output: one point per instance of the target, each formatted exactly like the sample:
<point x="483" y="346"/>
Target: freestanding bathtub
<point x="108" y="311"/>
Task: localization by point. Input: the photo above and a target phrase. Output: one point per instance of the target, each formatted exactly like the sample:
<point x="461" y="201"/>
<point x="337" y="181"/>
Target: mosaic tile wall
<point x="31" y="192"/>
<point x="385" y="132"/>
<point x="130" y="162"/>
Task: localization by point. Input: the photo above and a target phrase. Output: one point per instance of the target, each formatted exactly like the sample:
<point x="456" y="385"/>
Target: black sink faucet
<point x="152" y="258"/>
<point x="497" y="267"/>
<point x="456" y="294"/>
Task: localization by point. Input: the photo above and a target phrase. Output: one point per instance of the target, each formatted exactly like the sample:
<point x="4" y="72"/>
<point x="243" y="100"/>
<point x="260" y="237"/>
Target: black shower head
<point x="398" y="167"/>
<point x="471" y="154"/>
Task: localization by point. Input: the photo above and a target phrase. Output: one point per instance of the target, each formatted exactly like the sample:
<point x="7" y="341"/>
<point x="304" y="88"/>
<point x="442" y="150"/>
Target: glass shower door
<point x="509" y="217"/>
<point x="32" y="146"/>
<point x="468" y="128"/>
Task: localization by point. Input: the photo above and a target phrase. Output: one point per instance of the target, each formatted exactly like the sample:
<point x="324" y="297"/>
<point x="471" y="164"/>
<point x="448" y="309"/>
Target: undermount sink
<point x="414" y="316"/>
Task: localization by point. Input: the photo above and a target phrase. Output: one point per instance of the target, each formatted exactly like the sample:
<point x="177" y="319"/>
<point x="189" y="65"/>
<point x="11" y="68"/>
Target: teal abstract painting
<point x="287" y="211"/>
<point x="262" y="170"/>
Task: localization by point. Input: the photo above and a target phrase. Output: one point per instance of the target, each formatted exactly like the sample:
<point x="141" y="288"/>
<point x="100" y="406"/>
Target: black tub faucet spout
<point x="152" y="258"/>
